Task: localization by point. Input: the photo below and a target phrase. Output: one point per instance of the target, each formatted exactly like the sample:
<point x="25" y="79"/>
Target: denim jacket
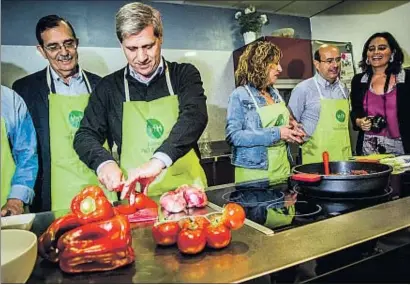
<point x="23" y="145"/>
<point x="244" y="131"/>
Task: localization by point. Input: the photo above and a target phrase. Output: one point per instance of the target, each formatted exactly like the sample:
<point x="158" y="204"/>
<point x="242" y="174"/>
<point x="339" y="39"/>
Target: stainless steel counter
<point x="251" y="253"/>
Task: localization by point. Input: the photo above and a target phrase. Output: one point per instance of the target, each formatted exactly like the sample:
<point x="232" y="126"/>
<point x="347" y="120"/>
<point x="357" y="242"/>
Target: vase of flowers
<point x="250" y="23"/>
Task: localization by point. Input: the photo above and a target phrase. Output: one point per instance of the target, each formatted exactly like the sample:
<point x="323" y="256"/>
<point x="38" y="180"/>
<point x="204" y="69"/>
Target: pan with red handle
<point x="312" y="177"/>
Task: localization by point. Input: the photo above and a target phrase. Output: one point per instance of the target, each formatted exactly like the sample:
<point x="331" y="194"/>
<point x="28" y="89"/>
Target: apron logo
<point x="280" y="121"/>
<point x="75" y="118"/>
<point x="340" y="116"/>
<point x="154" y="128"/>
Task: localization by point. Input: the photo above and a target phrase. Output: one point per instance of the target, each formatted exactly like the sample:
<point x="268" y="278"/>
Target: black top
<point x="358" y="92"/>
<point x="103" y="114"/>
<point x="34" y="90"/>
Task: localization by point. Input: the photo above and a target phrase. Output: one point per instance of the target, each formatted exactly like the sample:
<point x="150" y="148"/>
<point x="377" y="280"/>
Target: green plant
<point x="250" y="21"/>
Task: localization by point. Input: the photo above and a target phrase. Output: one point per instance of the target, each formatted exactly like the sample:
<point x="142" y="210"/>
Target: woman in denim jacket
<point x="258" y="122"/>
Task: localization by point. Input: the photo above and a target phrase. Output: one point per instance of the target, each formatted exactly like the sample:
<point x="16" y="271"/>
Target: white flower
<point x="238" y="14"/>
<point x="250" y="9"/>
<point x="264" y="19"/>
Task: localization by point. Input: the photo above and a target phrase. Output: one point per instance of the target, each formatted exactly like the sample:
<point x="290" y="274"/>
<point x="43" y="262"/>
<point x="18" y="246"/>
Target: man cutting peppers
<point x="155" y="111"/>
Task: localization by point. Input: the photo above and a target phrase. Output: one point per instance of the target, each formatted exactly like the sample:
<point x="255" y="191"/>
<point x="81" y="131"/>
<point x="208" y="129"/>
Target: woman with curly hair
<point x="380" y="98"/>
<point x="258" y="121"/>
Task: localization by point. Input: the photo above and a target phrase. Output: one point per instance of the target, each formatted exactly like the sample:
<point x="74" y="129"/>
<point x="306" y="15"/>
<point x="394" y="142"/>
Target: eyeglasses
<point x="330" y="60"/>
<point x="69" y="45"/>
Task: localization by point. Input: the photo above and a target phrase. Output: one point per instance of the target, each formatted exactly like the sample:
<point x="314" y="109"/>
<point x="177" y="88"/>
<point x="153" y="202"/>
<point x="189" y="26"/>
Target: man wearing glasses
<point x="56" y="97"/>
<point x="321" y="105"/>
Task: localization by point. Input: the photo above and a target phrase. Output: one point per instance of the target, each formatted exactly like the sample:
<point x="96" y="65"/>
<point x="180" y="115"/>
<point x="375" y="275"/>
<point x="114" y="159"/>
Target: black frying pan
<point x="376" y="180"/>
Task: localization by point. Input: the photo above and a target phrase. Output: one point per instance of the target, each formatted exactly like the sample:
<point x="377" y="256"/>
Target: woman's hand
<point x="364" y="124"/>
<point x="289" y="135"/>
<point x="295" y="125"/>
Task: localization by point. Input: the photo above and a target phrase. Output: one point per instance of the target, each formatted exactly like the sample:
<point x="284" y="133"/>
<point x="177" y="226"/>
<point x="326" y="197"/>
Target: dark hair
<point x="393" y="67"/>
<point x="316" y="56"/>
<point x="48" y="22"/>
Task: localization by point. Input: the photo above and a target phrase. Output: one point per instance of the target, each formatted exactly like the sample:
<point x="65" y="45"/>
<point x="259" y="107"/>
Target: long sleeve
<point x="90" y="137"/>
<point x="22" y="136"/>
<point x="238" y="135"/>
<point x="193" y="115"/>
<point x="356" y="96"/>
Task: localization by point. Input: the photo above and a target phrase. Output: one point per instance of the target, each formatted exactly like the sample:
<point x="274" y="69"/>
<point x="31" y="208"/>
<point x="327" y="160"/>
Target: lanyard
<point x="127" y="89"/>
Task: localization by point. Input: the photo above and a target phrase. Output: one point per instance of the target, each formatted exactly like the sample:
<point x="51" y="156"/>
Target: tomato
<point x="191" y="239"/>
<point x="218" y="235"/>
<point x="233" y="216"/>
<point x="165" y="233"/>
<point x="201" y="221"/>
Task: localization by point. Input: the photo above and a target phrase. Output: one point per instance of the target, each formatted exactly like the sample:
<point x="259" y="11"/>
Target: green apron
<point x="331" y="133"/>
<point x="278" y="163"/>
<point x="145" y="126"/>
<point x="279" y="217"/>
<point x="7" y="164"/>
<point x="69" y="175"/>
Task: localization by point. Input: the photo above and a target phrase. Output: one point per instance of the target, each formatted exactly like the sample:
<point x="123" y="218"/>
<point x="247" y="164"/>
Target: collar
<point x="77" y="76"/>
<point x="400" y="78"/>
<point x="323" y="82"/>
<point x="139" y="78"/>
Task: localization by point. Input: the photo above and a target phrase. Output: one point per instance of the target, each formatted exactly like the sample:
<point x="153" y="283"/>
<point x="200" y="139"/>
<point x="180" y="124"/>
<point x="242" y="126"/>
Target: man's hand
<point x="13" y="206"/>
<point x="110" y="175"/>
<point x="144" y="175"/>
<point x="289" y="135"/>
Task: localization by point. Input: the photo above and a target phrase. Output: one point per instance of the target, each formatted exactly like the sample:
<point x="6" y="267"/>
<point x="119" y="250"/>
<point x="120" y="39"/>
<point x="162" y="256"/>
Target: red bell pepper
<point x="99" y="246"/>
<point x="141" y="202"/>
<point x="91" y="205"/>
<point x="47" y="242"/>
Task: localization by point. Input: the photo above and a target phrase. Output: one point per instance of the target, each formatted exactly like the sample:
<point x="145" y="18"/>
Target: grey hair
<point x="132" y="18"/>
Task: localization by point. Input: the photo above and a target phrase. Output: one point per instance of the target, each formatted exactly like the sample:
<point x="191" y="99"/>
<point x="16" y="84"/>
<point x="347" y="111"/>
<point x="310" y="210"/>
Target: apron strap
<point x="250" y="94"/>
<point x="341" y="88"/>
<point x="167" y="78"/>
<point x="318" y="88"/>
<point x="126" y="88"/>
<point x="51" y="86"/>
<point x="278" y="94"/>
<point x="87" y="82"/>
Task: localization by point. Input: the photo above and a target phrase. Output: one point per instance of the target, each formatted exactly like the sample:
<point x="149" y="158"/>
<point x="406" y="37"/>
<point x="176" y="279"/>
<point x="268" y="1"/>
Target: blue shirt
<point x="139" y="78"/>
<point x="304" y="102"/>
<point x="22" y="137"/>
<point x="244" y="131"/>
<point x="76" y="85"/>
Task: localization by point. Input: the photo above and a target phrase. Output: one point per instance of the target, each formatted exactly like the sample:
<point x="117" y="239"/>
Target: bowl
<point x="18" y="255"/>
<point x="20" y="222"/>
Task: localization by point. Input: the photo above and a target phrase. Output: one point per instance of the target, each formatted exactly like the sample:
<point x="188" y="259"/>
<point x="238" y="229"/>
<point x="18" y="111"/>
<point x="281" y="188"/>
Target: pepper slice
<point x="91" y="205"/>
<point x="99" y="246"/>
<point x="141" y="202"/>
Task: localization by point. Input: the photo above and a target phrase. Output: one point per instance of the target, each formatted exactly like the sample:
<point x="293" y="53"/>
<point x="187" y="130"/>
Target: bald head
<point x="327" y="62"/>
